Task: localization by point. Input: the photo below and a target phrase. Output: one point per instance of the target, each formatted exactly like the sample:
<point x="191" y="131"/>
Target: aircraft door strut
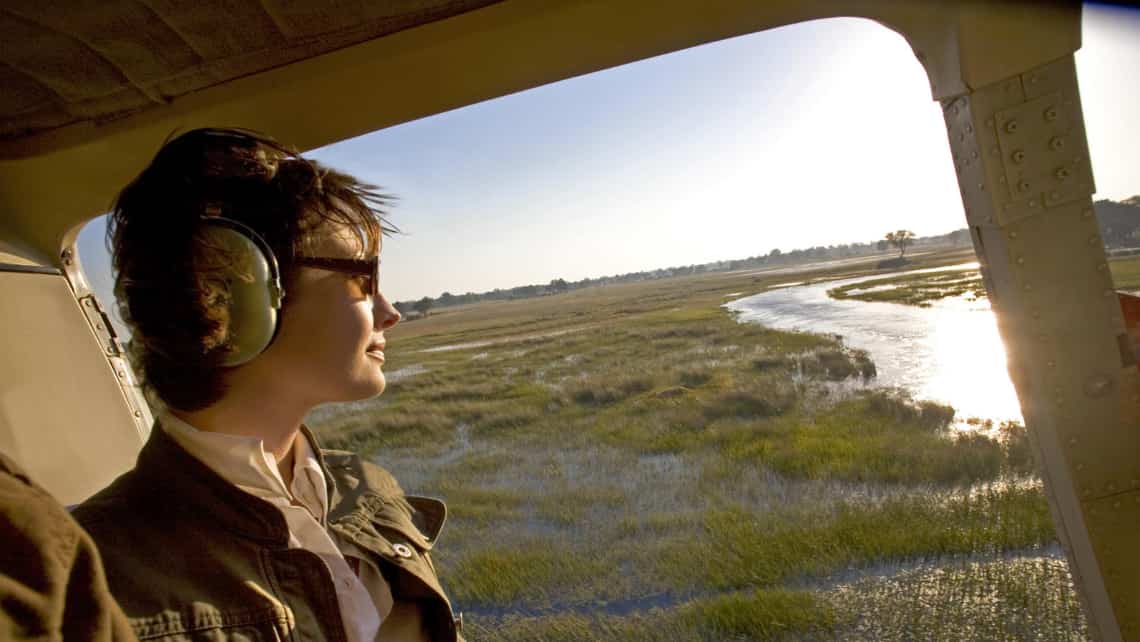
<point x="1021" y="156"/>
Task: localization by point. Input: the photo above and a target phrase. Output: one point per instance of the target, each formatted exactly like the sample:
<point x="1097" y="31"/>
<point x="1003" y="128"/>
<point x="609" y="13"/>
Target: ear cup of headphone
<point x="254" y="295"/>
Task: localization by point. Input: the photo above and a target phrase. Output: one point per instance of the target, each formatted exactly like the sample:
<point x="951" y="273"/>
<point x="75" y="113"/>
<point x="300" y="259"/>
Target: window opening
<point x="721" y="446"/>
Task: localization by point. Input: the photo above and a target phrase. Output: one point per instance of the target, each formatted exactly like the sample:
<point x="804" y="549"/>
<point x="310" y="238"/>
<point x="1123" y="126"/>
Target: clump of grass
<point x="762" y="614"/>
<point x="534" y="572"/>
<point x="392" y="427"/>
<point x="1125" y="273"/>
<point x="766" y="363"/>
<point x="755" y="550"/>
<point x="1018" y="599"/>
<point x="877" y="436"/>
<point x="562" y="627"/>
<point x="837" y="364"/>
<point x="692" y="377"/>
<point x="914" y="289"/>
<point x="1018" y="449"/>
<point x="751" y="404"/>
<point x="601" y="393"/>
<point x="482" y="505"/>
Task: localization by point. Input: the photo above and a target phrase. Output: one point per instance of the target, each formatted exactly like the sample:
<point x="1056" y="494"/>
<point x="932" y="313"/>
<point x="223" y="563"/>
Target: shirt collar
<point x="244" y="462"/>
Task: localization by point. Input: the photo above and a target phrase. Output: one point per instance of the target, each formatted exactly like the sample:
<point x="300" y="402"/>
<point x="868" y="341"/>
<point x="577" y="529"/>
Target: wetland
<point x="642" y="462"/>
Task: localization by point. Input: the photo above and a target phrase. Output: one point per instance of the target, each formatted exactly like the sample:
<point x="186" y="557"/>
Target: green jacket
<point x="189" y="556"/>
<point x="51" y="580"/>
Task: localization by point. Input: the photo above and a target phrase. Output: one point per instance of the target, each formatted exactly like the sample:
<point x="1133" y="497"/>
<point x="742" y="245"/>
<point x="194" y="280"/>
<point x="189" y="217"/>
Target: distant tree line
<point x="775" y="257"/>
<point x="1119" y="222"/>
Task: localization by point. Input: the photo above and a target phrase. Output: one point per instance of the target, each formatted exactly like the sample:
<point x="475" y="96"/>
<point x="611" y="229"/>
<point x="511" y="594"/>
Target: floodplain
<point x="630" y="462"/>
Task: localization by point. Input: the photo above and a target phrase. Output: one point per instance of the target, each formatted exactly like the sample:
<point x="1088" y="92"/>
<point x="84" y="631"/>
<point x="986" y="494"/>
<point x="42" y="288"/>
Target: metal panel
<point x="63" y="417"/>
<point x="1028" y="201"/>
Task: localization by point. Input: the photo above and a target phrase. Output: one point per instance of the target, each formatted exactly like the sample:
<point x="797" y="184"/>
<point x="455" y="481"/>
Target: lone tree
<point x="900" y="239"/>
<point x="423" y="306"/>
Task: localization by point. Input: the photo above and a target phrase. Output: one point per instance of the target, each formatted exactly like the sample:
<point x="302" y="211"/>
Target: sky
<point x="818" y="133"/>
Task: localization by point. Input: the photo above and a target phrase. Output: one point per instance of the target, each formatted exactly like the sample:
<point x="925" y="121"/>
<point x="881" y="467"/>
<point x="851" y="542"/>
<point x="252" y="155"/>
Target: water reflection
<point x="950" y="352"/>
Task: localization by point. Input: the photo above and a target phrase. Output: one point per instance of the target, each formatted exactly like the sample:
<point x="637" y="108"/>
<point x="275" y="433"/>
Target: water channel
<point x="950" y="352"/>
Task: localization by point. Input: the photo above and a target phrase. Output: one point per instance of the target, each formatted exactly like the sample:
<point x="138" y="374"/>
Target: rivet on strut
<point x="1011" y="127"/>
<point x="1096" y="386"/>
<point x="1017" y="156"/>
<point x="1051" y="113"/>
<point x="1062" y="173"/>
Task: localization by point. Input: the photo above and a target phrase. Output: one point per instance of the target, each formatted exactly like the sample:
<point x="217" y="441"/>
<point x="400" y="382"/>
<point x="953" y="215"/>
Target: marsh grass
<point x="922" y="289"/>
<point x="1005" y="599"/>
<point x="1126" y="273"/>
<point x="757" y="615"/>
<point x="630" y="462"/>
<point x="915" y="289"/>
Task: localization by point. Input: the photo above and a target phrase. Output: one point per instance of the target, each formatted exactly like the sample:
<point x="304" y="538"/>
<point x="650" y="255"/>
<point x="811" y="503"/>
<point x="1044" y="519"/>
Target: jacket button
<point x="403" y="550"/>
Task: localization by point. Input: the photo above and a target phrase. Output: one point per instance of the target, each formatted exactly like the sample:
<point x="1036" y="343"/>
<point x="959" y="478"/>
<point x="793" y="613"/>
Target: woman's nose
<point x="385" y="314"/>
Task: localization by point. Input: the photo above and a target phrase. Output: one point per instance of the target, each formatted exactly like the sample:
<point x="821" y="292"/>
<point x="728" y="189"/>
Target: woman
<point x="249" y="278"/>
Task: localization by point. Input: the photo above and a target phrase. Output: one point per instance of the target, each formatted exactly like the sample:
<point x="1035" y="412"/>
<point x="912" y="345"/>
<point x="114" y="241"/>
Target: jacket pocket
<point x="204" y="623"/>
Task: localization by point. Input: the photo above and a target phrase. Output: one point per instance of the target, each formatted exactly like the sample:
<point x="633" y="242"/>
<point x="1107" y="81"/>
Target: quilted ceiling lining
<point x="68" y="61"/>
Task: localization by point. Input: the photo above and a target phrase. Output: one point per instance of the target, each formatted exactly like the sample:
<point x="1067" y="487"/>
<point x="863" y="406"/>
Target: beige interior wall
<point x="63" y="416"/>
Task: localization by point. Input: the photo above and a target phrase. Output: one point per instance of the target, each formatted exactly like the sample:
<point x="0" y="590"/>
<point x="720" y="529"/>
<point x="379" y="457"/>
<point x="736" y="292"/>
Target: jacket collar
<point x="187" y="484"/>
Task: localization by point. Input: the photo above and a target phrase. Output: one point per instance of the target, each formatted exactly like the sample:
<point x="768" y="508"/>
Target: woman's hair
<point x="171" y="287"/>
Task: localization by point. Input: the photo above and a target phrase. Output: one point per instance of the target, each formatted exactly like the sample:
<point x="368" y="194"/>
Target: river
<point x="950" y="352"/>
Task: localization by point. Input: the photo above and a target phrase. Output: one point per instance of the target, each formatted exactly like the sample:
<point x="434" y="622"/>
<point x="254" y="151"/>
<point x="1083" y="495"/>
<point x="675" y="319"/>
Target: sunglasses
<point x="368" y="268"/>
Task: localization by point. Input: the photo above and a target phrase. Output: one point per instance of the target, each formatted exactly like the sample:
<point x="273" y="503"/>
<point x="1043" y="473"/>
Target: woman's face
<point x="330" y="340"/>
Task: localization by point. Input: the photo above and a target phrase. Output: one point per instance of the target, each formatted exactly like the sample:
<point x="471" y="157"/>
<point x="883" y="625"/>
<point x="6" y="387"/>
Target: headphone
<point x="255" y="292"/>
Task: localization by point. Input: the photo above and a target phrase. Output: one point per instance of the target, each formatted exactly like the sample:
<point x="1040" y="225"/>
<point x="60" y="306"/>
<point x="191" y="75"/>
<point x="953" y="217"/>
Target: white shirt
<point x="364" y="600"/>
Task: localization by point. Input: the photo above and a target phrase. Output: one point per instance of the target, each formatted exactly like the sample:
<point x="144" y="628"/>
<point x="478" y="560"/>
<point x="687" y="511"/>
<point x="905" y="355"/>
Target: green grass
<point x="915" y="289"/>
<point x="1016" y="599"/>
<point x="735" y="547"/>
<point x="765" y="550"/>
<point x="636" y="445"/>
<point x="757" y="615"/>
<point x="1126" y="273"/>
